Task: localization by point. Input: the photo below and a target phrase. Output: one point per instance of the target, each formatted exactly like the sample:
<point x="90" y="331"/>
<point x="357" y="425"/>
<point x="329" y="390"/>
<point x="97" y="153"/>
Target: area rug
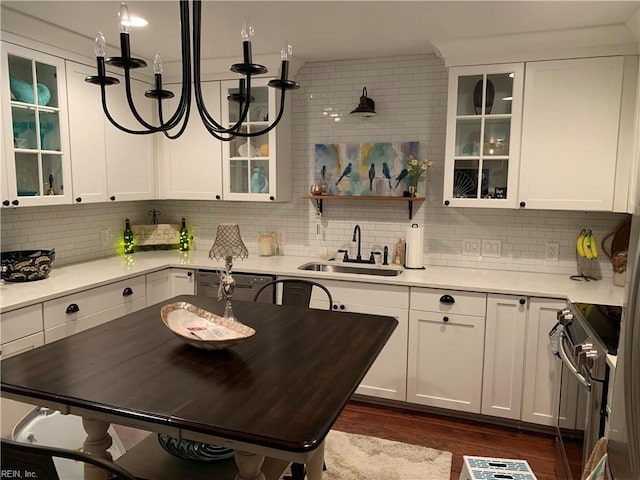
<point x="360" y="457"/>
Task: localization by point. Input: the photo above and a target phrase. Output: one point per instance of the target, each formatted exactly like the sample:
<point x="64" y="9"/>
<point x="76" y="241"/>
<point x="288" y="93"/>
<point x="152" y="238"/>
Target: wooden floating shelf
<point x="319" y="199"/>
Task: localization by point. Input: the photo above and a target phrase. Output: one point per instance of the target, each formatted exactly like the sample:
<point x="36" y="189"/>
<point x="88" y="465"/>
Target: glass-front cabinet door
<point x="35" y="133"/>
<point x="483" y="135"/>
<point x="249" y="165"/>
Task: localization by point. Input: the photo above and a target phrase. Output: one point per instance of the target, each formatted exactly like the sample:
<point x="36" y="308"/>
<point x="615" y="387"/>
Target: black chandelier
<point x="179" y="119"/>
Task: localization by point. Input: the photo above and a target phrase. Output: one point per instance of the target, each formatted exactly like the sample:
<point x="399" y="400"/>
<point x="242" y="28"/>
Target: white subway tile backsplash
<point x="411" y="96"/>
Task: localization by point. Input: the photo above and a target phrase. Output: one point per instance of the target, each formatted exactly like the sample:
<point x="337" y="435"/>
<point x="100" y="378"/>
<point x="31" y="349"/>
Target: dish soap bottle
<point x="398" y="254"/>
<point x="184" y="237"/>
<point x="127" y="237"/>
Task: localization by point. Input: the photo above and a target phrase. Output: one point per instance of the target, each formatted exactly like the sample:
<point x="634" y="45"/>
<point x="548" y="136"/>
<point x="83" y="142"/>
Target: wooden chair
<point x="295" y="291"/>
<point x="37" y="461"/>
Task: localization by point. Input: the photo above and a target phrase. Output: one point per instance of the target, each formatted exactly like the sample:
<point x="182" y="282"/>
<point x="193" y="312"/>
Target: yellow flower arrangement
<point x="416" y="168"/>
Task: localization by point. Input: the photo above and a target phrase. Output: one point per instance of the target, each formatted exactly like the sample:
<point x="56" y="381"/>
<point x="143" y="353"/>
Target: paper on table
<point x="199" y="327"/>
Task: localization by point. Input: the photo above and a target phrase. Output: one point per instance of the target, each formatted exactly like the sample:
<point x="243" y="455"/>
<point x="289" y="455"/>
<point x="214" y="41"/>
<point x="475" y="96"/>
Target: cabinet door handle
<point x="218" y="197"/>
<point x="15" y="203"/>
<point x="79" y="199"/>
<point x="112" y="198"/>
<point x="523" y="204"/>
<point x="342" y="307"/>
<point x="6" y="203"/>
<point x="446" y="202"/>
<point x="272" y="198"/>
<point x="522" y="301"/>
<point x="73" y="308"/>
<point x="127" y="291"/>
<point x="448" y="299"/>
<point x="445" y="319"/>
<point x="189" y="274"/>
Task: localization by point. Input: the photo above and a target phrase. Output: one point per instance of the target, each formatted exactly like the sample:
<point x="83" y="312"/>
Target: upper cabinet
<point x="483" y="135"/>
<point x="36" y="147"/>
<point x="108" y="164"/>
<point x="192" y="163"/>
<point x="557" y="135"/>
<point x="570" y="134"/>
<point x="258" y="168"/>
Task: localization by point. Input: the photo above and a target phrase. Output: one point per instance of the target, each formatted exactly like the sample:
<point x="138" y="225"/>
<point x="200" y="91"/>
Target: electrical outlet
<point x="552" y="251"/>
<point x="491" y="248"/>
<point x="471" y="246"/>
<point x="104" y="237"/>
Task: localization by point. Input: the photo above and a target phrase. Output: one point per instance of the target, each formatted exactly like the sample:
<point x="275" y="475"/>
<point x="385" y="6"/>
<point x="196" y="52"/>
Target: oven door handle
<point x="572" y="368"/>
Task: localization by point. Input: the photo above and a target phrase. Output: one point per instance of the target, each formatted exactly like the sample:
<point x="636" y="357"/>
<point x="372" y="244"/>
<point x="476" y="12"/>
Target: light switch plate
<point x="491" y="248"/>
<point x="552" y="251"/>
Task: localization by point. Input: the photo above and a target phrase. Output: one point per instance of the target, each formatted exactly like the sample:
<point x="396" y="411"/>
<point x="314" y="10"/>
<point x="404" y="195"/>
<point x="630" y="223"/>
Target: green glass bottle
<point x="127" y="237"/>
<point x="185" y="240"/>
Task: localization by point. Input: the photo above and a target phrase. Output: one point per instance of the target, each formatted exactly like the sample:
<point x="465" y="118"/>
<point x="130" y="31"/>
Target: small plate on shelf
<point x="203" y="329"/>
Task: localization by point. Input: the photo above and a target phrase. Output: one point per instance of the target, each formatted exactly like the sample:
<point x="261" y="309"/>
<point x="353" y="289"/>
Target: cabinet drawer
<point x="352" y="293"/>
<point x="23" y="344"/>
<point x="449" y="301"/>
<point x="101" y="304"/>
<point x="22" y="322"/>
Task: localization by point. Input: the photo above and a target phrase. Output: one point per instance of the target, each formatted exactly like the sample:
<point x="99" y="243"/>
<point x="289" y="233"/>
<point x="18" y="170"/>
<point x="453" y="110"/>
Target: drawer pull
<point x="445" y="319"/>
<point x="73" y="308"/>
<point x="448" y="299"/>
<point x="127" y="291"/>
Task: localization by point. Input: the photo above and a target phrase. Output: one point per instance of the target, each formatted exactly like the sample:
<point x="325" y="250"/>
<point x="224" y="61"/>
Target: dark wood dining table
<point x="275" y="395"/>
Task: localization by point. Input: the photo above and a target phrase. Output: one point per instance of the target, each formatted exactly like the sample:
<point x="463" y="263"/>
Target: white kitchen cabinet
<point x="446" y="348"/>
<point x="570" y="128"/>
<point x="259" y="168"/>
<point x="169" y="283"/>
<point x="192" y="163"/>
<point x="388" y="375"/>
<point x="504" y="350"/>
<point x="108" y="164"/>
<point x="80" y="311"/>
<point x="540" y="365"/>
<point x="482" y="151"/>
<point x="21" y="330"/>
<point x="36" y="136"/>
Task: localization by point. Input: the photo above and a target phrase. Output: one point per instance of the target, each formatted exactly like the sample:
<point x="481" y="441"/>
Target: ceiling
<point x="325" y="30"/>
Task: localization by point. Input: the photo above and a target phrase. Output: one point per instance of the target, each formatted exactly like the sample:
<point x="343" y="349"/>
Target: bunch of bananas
<point x="586" y="245"/>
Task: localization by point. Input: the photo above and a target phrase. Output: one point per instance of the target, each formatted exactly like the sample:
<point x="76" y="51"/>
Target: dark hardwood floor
<point x="458" y="436"/>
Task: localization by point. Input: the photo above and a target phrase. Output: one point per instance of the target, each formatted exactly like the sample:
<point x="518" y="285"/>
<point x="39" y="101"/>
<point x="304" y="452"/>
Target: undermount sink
<point x="357" y="269"/>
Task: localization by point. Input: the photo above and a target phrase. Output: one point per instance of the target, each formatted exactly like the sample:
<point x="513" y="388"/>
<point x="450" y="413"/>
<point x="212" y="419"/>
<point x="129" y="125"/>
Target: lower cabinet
<point x="387" y="377"/>
<point x="21" y="330"/>
<point x="504" y="350"/>
<point x="446" y="348"/>
<point x="80" y="311"/>
<point x="169" y="283"/>
<point x="541" y="367"/>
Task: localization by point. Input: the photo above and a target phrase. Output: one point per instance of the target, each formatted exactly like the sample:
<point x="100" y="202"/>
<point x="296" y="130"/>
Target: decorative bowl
<point x="26" y="265"/>
<point x="192" y="450"/>
<point x="203" y="329"/>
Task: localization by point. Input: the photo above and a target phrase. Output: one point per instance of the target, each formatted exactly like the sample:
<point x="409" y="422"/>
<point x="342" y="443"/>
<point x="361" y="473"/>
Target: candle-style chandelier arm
<point x="270" y="127"/>
<point x="180" y="116"/>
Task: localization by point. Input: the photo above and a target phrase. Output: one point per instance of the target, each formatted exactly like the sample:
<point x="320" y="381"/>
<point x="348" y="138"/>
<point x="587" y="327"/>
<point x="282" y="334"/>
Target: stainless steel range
<point x="586" y="333"/>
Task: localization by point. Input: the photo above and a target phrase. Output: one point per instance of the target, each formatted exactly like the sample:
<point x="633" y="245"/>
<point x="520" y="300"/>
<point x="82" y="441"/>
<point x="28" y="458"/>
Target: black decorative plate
<point x="190" y="450"/>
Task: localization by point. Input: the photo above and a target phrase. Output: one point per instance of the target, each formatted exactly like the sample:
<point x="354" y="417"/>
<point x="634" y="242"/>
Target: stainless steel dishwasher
<point x="247" y="285"/>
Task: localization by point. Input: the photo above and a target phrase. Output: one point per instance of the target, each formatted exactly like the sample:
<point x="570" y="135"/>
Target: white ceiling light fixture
<point x="190" y="70"/>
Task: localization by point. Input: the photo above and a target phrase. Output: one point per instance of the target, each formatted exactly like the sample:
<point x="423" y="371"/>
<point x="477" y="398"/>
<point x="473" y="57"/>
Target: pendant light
<point x="366" y="108"/>
<point x="190" y="70"/>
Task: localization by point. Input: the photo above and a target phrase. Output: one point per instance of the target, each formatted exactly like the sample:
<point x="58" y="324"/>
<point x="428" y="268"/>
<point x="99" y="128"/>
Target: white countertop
<point x="73" y="278"/>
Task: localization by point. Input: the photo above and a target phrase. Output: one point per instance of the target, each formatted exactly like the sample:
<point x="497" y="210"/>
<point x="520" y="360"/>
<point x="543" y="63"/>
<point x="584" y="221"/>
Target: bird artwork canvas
<point x="364" y="169"/>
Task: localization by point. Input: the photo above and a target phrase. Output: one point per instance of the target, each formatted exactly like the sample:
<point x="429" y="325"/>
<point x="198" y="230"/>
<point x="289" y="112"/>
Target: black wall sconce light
<point x="366" y="108"/>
